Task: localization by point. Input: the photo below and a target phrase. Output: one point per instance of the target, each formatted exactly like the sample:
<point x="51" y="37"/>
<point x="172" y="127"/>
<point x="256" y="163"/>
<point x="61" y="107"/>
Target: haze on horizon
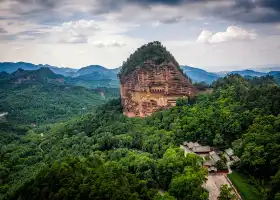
<point x="214" y="35"/>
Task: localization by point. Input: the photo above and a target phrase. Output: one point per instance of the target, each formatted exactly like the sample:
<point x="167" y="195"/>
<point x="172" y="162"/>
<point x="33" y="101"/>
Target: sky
<point x="216" y="35"/>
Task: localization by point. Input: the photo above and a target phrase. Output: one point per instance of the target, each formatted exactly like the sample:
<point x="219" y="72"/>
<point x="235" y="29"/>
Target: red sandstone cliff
<point x="153" y="87"/>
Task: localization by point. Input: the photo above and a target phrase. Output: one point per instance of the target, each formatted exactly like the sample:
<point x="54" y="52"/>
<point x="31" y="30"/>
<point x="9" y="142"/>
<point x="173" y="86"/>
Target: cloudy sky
<point x="216" y="35"/>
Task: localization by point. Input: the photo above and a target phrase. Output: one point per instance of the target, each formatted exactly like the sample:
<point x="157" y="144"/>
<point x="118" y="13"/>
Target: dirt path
<point x="213" y="184"/>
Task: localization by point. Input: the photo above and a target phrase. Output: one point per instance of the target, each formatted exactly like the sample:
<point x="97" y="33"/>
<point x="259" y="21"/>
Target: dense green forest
<point x="41" y="96"/>
<point x="105" y="155"/>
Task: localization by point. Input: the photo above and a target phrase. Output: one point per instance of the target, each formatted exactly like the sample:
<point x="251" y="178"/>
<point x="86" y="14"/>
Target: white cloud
<point x="73" y="39"/>
<point x="18" y="47"/>
<point x="74" y="31"/>
<point x="112" y="43"/>
<point x="81" y="24"/>
<point x="205" y="36"/>
<point x="105" y="33"/>
<point x="233" y="33"/>
<point x="226" y="56"/>
<point x="72" y="34"/>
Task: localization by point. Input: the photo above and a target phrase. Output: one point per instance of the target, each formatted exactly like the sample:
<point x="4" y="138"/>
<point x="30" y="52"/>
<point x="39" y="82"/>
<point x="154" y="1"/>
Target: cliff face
<point x="152" y="87"/>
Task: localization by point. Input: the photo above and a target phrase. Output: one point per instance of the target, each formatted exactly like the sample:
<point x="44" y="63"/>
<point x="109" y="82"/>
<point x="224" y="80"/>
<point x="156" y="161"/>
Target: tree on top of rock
<point x="153" y="51"/>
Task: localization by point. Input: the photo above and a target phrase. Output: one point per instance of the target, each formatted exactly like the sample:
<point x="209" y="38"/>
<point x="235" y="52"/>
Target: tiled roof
<point x="214" y="156"/>
<point x="229" y="152"/>
<point x="201" y="149"/>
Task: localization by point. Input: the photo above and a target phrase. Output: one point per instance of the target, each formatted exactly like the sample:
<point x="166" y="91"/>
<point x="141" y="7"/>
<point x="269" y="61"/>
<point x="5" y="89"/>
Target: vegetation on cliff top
<point x="153" y="51"/>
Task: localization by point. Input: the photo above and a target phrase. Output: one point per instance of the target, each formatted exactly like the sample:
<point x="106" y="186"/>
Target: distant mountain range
<point x="21" y="76"/>
<point x="248" y="72"/>
<point x="93" y="76"/>
<point x="11" y="67"/>
<point x="199" y="75"/>
<point x="94" y="72"/>
<point x="98" y="76"/>
<point x="267" y="69"/>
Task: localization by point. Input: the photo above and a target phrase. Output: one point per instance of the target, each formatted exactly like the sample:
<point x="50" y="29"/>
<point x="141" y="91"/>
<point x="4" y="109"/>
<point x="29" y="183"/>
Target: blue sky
<point x="217" y="35"/>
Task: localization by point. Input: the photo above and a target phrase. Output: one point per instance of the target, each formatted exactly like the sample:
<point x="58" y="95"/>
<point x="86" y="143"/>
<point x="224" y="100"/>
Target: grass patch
<point x="245" y="189"/>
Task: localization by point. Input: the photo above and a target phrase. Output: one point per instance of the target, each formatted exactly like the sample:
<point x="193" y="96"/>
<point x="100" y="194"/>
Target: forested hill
<point x="106" y="155"/>
<point x="41" y="96"/>
<point x="31" y="76"/>
<point x="151" y="52"/>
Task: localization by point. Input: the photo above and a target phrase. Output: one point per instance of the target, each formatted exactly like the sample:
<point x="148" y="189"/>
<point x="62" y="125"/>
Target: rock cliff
<point x="154" y="83"/>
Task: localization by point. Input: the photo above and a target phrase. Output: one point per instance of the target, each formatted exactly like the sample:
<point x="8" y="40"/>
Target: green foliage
<point x="165" y="196"/>
<point x="10" y="132"/>
<point x="172" y="164"/>
<point x="78" y="179"/>
<point x="226" y="193"/>
<point x="202" y="86"/>
<point x="260" y="147"/>
<point x="275" y="186"/>
<point x="182" y="102"/>
<point x="153" y="51"/>
<point x="112" y="157"/>
<point x="246" y="190"/>
<point x="221" y="165"/>
<point x="188" y="185"/>
<point x="105" y="155"/>
<point x="39" y="98"/>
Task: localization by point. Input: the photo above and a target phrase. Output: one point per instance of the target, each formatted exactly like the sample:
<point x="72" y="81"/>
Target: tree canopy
<point x="39" y="97"/>
<point x="105" y="155"/>
<point x="153" y="52"/>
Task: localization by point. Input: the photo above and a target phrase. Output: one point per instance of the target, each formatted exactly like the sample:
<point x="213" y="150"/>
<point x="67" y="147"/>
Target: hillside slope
<point x="276" y="76"/>
<point x="95" y="76"/>
<point x="42" y="96"/>
<point x="105" y="155"/>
